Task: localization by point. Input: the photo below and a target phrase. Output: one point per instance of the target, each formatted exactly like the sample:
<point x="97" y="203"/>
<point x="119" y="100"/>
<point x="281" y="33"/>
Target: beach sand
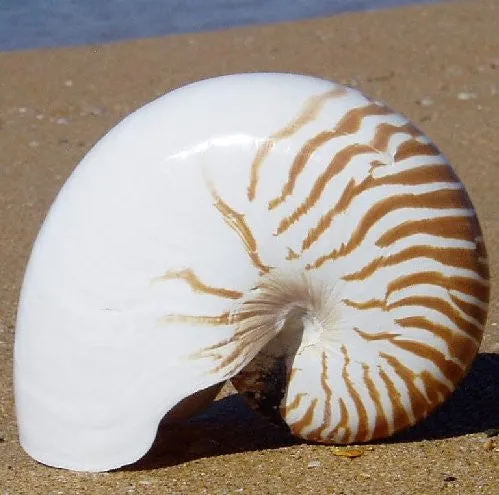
<point x="438" y="64"/>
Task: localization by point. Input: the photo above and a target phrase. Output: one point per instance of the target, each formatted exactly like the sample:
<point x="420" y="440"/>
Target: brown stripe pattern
<point x="378" y="305"/>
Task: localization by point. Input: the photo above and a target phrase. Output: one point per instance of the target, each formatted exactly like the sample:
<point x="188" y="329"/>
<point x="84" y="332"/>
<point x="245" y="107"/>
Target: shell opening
<point x="299" y="315"/>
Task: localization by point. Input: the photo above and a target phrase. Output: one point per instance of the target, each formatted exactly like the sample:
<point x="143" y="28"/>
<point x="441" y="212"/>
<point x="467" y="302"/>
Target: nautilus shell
<point x="278" y="230"/>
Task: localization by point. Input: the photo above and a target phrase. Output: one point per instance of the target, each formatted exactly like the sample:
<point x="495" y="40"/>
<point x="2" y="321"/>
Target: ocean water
<point x="26" y="24"/>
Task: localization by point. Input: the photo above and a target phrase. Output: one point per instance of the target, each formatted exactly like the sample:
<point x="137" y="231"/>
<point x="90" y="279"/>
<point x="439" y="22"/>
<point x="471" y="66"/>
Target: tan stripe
<point x="298" y="165"/>
<point x="385" y="131"/>
<point x="452" y="371"/>
<point x="237" y="222"/>
<point x="292" y="374"/>
<point x="326" y="422"/>
<point x="291" y="255"/>
<point x="295" y="403"/>
<point x="399" y="414"/>
<point x="381" y="424"/>
<point x="376" y="336"/>
<point x="337" y="164"/>
<point x="223" y="319"/>
<point x="436" y="391"/>
<point x="421" y="175"/>
<point x="412" y="148"/>
<point x="312" y="108"/>
<point x="471" y="309"/>
<point x="441" y="199"/>
<point x="420" y="405"/>
<point x="349" y="124"/>
<point x="429" y="302"/>
<point x="369" y="304"/>
<point x="363" y="426"/>
<point x="443" y="307"/>
<point x="466" y="285"/>
<point x="343" y="422"/>
<point x="298" y="426"/>
<point x="456" y="257"/>
<point x="261" y="155"/>
<point x="251" y="341"/>
<point x="352" y="120"/>
<point x="462" y="347"/>
<point x="452" y="227"/>
<point x="196" y="285"/>
<point x="327" y="392"/>
<point x="325" y="221"/>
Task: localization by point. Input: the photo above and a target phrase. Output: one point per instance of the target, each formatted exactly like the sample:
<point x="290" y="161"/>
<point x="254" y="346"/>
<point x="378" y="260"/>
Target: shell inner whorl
<point x="300" y="314"/>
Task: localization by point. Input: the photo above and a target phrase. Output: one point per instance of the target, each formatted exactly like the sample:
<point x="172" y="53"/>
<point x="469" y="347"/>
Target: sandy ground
<point x="437" y="64"/>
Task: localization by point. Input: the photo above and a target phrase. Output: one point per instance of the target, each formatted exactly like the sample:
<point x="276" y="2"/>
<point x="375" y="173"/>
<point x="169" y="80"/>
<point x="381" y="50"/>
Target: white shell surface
<point x="191" y="234"/>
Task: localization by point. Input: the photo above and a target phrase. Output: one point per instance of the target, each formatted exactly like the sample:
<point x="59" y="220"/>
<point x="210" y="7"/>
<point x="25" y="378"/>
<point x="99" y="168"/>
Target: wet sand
<point x="438" y="64"/>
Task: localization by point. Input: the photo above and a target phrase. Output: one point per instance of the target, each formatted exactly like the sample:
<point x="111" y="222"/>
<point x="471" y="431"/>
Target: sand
<point x="438" y="64"/>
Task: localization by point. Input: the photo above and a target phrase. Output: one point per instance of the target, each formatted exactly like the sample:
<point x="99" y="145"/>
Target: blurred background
<point x="26" y="24"/>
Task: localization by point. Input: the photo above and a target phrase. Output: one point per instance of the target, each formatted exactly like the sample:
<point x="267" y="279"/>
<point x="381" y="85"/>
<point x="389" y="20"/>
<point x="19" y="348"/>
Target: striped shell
<point x="281" y="231"/>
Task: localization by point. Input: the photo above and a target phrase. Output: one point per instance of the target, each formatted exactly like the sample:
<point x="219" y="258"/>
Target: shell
<point x="278" y="230"/>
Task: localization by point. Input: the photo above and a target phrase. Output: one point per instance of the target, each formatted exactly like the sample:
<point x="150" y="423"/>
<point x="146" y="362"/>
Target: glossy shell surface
<point x="278" y="230"/>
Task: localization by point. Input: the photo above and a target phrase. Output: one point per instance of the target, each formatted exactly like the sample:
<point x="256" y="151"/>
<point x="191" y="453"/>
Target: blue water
<point x="28" y="24"/>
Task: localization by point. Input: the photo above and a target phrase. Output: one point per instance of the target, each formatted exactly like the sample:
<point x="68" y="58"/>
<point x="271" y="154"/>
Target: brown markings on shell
<point x="188" y="276"/>
<point x="237" y="222"/>
<point x="411" y="148"/>
<point x="381" y="428"/>
<point x="252" y="324"/>
<point x="370" y="337"/>
<point x="470" y="309"/>
<point x="419" y="404"/>
<point x="449" y="227"/>
<point x="421" y="175"/>
<point x="466" y="285"/>
<point x="312" y="108"/>
<point x="436" y="391"/>
<point x="222" y="319"/>
<point x="292" y="255"/>
<point x="349" y="124"/>
<point x="363" y="425"/>
<point x="298" y="165"/>
<point x="456" y="257"/>
<point x="343" y="422"/>
<point x="297" y="427"/>
<point x="244" y="338"/>
<point x="316" y="434"/>
<point x="380" y="141"/>
<point x="337" y="164"/>
<point x="293" y="373"/>
<point x="472" y="329"/>
<point x="461" y="346"/>
<point x="441" y="199"/>
<point x="294" y="404"/>
<point x="369" y="304"/>
<point x="451" y="370"/>
<point x="226" y="318"/>
<point x="399" y="415"/>
<point x="430" y="302"/>
<point x="385" y="131"/>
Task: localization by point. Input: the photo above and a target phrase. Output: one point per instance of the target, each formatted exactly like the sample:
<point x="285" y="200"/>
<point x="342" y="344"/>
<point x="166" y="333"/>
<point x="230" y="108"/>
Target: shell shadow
<point x="229" y="426"/>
